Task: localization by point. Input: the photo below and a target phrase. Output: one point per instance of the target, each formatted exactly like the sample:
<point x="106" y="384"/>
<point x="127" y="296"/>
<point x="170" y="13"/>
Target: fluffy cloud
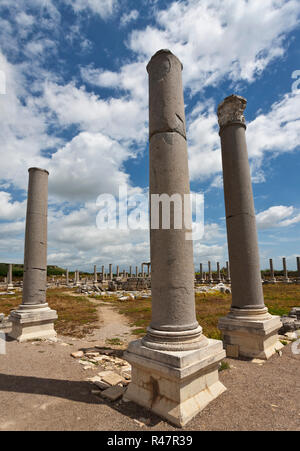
<point x="129" y="17"/>
<point x="9" y="210"/>
<point x="277" y="216"/>
<point x="105" y="8"/>
<point x="216" y="39"/>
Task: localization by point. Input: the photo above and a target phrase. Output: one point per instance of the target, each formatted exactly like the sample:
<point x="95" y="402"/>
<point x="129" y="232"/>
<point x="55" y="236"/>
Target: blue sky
<point x="76" y="103"/>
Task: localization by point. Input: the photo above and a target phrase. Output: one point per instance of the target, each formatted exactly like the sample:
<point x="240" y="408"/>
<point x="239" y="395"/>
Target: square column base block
<point x="174" y="385"/>
<point x="32" y="322"/>
<point x="255" y="338"/>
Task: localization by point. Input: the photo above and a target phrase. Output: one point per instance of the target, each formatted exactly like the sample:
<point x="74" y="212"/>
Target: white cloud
<point x="87" y="166"/>
<point x="277" y="216"/>
<point x="9" y="210"/>
<point x="104" y="8"/>
<point x="217" y="39"/>
<point x="129" y="17"/>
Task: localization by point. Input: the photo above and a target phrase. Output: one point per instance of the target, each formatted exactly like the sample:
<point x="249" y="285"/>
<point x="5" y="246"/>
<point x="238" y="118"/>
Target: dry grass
<point x="210" y="307"/>
<point x="77" y="316"/>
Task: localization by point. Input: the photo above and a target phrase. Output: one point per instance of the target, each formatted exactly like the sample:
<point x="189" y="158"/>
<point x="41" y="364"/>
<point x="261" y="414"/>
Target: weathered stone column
<point x="218" y="273"/>
<point x="143" y="275"/>
<point x="210" y="277"/>
<point x="174" y="367"/>
<point x="201" y="274"/>
<point x="228" y="278"/>
<point x="248" y="330"/>
<point x="95" y="275"/>
<point x="285" y="273"/>
<point x="10" y="285"/>
<point x="77" y="280"/>
<point x="130" y="271"/>
<point x="110" y="272"/>
<point x="118" y="271"/>
<point x="136" y="271"/>
<point x="272" y="277"/>
<point x="33" y="318"/>
<point x="67" y="277"/>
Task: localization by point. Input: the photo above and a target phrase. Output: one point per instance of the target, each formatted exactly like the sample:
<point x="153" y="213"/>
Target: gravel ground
<point x="43" y="388"/>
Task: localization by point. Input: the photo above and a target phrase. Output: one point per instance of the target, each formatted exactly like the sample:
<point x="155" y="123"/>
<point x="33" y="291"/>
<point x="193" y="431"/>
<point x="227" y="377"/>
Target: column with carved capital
<point x="174" y="367"/>
<point x="248" y="330"/>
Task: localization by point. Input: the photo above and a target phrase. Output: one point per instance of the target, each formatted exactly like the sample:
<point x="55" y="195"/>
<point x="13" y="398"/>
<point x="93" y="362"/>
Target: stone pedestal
<point x="34" y="319"/>
<point x="175" y="385"/>
<point x="248" y="330"/>
<point x="174" y="367"/>
<point x="250" y="333"/>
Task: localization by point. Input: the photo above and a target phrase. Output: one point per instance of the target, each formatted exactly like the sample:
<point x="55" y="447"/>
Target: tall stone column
<point x="130" y="271"/>
<point x="201" y="274"/>
<point x="228" y="278"/>
<point x="210" y="277"/>
<point x="272" y="277"/>
<point x="285" y="272"/>
<point x="174" y="367"/>
<point x="218" y="273"/>
<point x="34" y="318"/>
<point x="248" y="330"/>
<point x="67" y="277"/>
<point x="102" y="273"/>
<point x="10" y="285"/>
<point x="95" y="275"/>
<point x="136" y="271"/>
<point x="118" y="271"/>
<point x="143" y="274"/>
<point x="110" y="272"/>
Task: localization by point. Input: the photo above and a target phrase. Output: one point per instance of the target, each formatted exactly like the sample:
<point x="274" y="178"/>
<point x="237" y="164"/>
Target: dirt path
<point x="111" y="324"/>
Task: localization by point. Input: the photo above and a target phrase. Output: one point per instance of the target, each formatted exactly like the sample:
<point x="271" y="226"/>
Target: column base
<point x="250" y="333"/>
<point x="286" y="280"/>
<point x="32" y="322"/>
<point x="174" y="385"/>
<point x="10" y="287"/>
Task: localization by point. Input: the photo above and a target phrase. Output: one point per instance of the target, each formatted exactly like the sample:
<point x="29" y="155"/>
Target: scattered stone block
<point x="77" y="354"/>
<point x="113" y="378"/>
<point x="113" y="393"/>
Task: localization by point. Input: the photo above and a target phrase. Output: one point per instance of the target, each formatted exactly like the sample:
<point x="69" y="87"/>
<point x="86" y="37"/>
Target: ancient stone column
<point x="77" y="278"/>
<point x="201" y="273"/>
<point x="110" y="272"/>
<point x="118" y="271"/>
<point x="136" y="271"/>
<point x="143" y="274"/>
<point x="67" y="277"/>
<point x="10" y="285"/>
<point x="174" y="367"/>
<point x="285" y="272"/>
<point x="218" y="273"/>
<point x="33" y="318"/>
<point x="130" y="271"/>
<point x="210" y="277"/>
<point x="272" y="277"/>
<point x="248" y="330"/>
<point x="95" y="275"/>
<point x="228" y="278"/>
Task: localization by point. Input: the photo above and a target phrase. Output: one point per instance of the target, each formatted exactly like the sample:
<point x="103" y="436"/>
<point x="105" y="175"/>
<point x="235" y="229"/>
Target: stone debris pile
<point x="290" y="322"/>
<point x="112" y="381"/>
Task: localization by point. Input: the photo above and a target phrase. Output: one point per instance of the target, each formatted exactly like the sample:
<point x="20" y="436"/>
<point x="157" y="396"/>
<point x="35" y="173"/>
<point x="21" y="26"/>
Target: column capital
<point x="231" y="111"/>
<point x="163" y="53"/>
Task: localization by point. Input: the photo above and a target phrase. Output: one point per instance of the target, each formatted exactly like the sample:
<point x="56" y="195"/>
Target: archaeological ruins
<point x="173" y="370"/>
